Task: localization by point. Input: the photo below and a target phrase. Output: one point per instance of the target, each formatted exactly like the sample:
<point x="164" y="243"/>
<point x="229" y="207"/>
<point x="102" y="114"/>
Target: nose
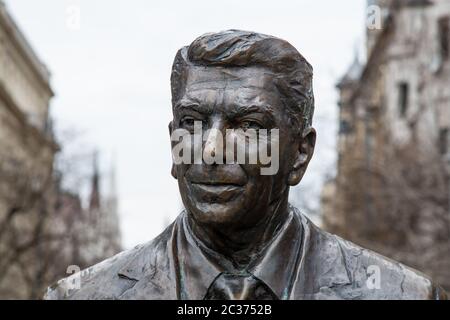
<point x="213" y="151"/>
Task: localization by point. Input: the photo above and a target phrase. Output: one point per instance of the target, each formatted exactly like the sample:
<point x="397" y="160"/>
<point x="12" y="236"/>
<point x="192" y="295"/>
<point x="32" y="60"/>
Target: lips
<point x="213" y="184"/>
<point x="219" y="176"/>
<point x="216" y="185"/>
<point x="216" y="192"/>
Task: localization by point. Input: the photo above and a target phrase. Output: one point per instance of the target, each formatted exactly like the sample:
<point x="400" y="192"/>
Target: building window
<point x="344" y="127"/>
<point x="444" y="141"/>
<point x="444" y="38"/>
<point x="403" y="95"/>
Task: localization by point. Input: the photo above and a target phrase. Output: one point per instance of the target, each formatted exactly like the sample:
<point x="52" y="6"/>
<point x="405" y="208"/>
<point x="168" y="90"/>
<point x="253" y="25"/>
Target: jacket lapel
<point x="153" y="268"/>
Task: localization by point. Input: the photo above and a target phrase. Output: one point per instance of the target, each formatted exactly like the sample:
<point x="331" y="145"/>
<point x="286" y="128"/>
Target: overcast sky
<point x="111" y="77"/>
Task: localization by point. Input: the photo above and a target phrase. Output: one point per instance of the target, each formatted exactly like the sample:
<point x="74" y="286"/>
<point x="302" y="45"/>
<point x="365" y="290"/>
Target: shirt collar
<point x="276" y="264"/>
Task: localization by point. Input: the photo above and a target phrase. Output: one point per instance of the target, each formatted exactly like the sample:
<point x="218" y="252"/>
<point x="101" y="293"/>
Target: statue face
<point x="233" y="194"/>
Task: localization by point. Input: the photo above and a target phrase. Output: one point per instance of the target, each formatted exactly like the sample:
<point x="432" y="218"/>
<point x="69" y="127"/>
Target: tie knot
<point x="239" y="286"/>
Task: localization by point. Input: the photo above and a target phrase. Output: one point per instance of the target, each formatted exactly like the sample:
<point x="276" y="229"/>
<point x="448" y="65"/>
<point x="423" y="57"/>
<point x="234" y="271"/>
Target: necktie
<point x="241" y="286"/>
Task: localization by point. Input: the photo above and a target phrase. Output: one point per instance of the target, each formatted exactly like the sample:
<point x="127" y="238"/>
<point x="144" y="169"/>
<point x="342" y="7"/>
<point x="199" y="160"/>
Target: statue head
<point x="227" y="85"/>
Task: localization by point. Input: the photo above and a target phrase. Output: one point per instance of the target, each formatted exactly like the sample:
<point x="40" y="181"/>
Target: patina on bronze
<point x="238" y="237"/>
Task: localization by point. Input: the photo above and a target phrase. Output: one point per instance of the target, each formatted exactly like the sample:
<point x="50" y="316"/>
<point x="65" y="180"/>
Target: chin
<point x="216" y="213"/>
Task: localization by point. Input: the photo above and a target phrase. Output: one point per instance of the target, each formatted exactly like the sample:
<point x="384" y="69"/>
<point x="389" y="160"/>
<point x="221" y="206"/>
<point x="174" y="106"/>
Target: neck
<point x="238" y="243"/>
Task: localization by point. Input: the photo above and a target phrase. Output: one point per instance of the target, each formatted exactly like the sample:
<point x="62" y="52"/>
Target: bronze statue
<point x="238" y="237"/>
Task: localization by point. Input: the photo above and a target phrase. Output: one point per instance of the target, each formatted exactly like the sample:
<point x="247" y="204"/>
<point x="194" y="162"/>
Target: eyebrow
<point x="192" y="105"/>
<point x="242" y="111"/>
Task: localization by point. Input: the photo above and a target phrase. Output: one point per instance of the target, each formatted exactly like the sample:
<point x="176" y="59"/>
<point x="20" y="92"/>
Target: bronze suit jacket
<point x="301" y="262"/>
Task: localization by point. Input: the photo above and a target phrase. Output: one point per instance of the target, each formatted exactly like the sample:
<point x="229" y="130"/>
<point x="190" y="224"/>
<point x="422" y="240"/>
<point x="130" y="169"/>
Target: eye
<point x="188" y="122"/>
<point x="250" y="124"/>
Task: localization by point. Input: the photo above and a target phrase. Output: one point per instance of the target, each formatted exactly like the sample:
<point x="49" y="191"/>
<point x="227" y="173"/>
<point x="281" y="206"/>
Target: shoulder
<point x="112" y="277"/>
<point x="349" y="271"/>
<point x="384" y="278"/>
<point x="100" y="281"/>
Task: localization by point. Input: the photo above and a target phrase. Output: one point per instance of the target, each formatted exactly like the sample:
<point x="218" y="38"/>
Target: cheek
<point x="182" y="169"/>
<point x="257" y="181"/>
<point x="260" y="192"/>
<point x="287" y="150"/>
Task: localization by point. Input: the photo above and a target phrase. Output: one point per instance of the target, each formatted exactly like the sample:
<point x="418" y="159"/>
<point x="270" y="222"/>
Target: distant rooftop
<point x="353" y="73"/>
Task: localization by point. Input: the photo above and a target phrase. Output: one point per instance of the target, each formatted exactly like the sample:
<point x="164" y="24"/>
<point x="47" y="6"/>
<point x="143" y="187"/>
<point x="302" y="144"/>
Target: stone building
<point x="91" y="232"/>
<point x="100" y="223"/>
<point x="27" y="149"/>
<point x="44" y="229"/>
<point x="391" y="191"/>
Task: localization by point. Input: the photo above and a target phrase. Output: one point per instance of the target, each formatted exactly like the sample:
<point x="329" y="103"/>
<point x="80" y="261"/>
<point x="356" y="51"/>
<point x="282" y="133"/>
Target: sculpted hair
<point x="235" y="48"/>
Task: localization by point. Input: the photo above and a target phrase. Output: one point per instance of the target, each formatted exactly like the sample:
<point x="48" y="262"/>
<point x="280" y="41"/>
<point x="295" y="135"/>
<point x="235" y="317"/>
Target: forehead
<point x="231" y="86"/>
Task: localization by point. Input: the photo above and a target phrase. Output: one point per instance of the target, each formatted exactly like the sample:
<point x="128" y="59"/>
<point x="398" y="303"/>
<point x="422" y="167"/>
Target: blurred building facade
<point x="391" y="192"/>
<point x="91" y="232"/>
<point x="99" y="225"/>
<point x="27" y="149"/>
<point x="43" y="229"/>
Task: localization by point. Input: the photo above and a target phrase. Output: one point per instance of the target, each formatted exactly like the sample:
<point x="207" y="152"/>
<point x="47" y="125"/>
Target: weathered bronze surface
<point x="238" y="237"/>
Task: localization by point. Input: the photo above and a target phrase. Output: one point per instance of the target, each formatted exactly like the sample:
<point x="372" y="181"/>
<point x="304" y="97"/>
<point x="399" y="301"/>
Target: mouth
<point x="217" y="186"/>
<point x="216" y="191"/>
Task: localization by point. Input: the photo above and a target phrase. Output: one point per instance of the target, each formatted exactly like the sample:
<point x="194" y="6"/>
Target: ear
<point x="302" y="156"/>
<point x="173" y="171"/>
